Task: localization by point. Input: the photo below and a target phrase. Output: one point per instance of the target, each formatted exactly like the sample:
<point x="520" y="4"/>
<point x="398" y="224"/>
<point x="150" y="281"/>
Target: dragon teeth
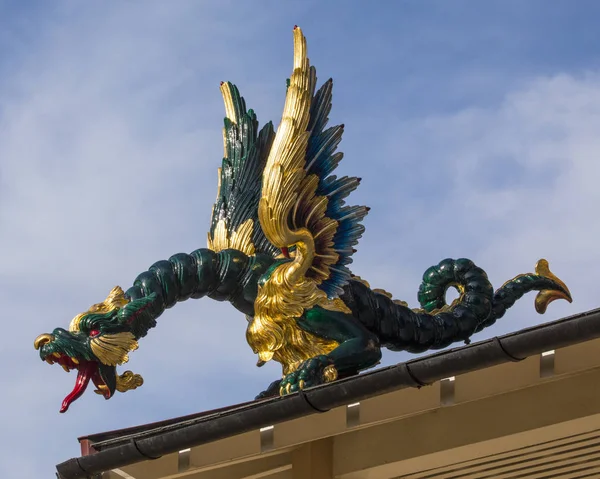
<point x="75" y="360"/>
<point x="49" y="361"/>
<point x="101" y="389"/>
<point x="65" y="367"/>
<point x="56" y="355"/>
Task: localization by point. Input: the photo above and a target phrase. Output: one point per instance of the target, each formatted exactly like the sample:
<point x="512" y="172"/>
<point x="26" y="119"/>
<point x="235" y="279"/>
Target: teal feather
<point x="322" y="159"/>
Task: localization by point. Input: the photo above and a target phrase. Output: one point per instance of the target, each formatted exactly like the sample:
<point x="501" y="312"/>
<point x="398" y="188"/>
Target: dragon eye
<point x="94" y="333"/>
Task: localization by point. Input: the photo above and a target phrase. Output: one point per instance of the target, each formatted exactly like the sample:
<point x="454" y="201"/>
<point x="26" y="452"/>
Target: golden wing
<point x="301" y="209"/>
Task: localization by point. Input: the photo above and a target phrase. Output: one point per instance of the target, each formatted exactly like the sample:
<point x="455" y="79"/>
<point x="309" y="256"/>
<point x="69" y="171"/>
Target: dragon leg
<point x="437" y="324"/>
<point x="357" y="349"/>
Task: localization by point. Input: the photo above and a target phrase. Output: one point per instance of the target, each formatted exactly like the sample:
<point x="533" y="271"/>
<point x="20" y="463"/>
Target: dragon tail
<point x="438" y="324"/>
<point x="550" y="288"/>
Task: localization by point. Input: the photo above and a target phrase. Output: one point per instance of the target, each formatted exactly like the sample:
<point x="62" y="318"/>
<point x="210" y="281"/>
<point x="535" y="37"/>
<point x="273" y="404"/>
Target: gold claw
<point x="330" y="373"/>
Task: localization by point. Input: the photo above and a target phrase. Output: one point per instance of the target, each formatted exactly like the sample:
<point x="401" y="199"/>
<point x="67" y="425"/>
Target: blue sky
<point x="474" y="126"/>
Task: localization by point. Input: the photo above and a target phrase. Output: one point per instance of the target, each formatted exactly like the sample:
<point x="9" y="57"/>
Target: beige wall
<point x="528" y="419"/>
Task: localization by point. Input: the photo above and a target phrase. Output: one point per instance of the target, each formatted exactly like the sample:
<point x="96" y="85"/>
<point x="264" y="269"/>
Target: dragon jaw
<point x="72" y="353"/>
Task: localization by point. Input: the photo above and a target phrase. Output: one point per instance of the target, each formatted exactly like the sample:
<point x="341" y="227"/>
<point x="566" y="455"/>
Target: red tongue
<point x="83" y="378"/>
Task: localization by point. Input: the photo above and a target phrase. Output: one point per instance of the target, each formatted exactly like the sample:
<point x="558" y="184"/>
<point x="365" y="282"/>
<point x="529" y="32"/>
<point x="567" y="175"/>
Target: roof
<point x="121" y="448"/>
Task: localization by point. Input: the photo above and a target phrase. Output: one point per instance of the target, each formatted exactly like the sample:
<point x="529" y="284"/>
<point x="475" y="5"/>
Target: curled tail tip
<point x="546" y="296"/>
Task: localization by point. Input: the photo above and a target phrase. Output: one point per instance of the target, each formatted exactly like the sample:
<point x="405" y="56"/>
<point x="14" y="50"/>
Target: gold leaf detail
<point x="546" y="296"/>
<point x="284" y="173"/>
<point x="230" y="112"/>
<point x="115" y="300"/>
<point x="330" y="373"/>
<point x="128" y="380"/>
<point x="309" y="212"/>
<point x="113" y="349"/>
<point x="241" y="239"/>
<point x="291" y="214"/>
<point x="447" y="307"/>
<point x="335" y="304"/>
<point x="363" y="281"/>
<point x="383" y="291"/>
<point x="273" y="333"/>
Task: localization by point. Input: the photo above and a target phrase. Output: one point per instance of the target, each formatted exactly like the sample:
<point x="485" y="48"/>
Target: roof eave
<point x="150" y="444"/>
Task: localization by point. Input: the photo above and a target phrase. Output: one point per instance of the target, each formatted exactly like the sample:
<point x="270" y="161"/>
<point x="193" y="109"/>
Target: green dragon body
<point x="316" y="318"/>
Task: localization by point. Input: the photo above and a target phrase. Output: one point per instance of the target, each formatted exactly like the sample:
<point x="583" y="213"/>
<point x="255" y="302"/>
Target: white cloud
<point x="503" y="186"/>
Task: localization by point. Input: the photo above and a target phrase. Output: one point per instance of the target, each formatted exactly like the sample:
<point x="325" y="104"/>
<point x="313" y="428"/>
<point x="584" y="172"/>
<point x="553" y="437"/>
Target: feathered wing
<point x="339" y="227"/>
<point x="302" y="205"/>
<point x="234" y="221"/>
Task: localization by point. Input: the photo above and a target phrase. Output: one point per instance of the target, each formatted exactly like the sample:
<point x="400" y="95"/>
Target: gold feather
<point x="289" y="200"/>
<point x="240" y="239"/>
<point x="113" y="349"/>
<point x="115" y="300"/>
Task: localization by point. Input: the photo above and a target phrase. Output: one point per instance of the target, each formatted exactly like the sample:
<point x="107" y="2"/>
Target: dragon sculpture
<point x="279" y="246"/>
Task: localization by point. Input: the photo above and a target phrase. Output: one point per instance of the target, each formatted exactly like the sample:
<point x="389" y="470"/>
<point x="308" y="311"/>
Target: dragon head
<point x="96" y="342"/>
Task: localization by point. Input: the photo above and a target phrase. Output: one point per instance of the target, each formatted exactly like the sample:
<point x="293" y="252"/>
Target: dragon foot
<point x="312" y="372"/>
